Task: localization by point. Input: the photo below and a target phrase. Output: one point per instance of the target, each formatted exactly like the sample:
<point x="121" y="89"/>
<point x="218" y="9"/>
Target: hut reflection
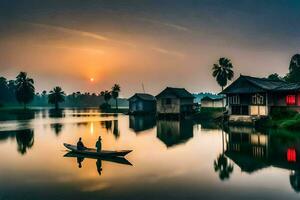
<point x="253" y="150"/>
<point x="173" y="132"/>
<point x="141" y="123"/>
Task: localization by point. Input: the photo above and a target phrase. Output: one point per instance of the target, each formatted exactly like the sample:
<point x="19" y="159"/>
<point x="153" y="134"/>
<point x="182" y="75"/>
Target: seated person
<point x="80" y="145"/>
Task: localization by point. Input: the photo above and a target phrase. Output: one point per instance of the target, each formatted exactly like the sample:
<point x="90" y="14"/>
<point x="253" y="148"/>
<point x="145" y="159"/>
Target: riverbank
<point x="208" y="114"/>
<point x="281" y="119"/>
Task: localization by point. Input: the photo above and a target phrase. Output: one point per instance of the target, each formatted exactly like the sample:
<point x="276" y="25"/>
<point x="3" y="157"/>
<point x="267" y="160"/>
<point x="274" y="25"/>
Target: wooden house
<point x="174" y="101"/>
<point x="142" y="103"/>
<point x="210" y="102"/>
<point x="251" y="97"/>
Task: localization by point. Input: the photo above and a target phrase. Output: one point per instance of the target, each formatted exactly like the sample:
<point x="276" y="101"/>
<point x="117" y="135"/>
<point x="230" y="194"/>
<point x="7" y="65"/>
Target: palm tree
<point x="24" y="89"/>
<point x="106" y="95"/>
<point x="56" y="96"/>
<point x="115" y="90"/>
<point x="223" y="72"/>
<point x="223" y="166"/>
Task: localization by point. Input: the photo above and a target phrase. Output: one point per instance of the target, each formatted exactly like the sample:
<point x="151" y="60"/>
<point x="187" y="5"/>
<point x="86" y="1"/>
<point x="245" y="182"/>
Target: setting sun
<point x="92" y="79"/>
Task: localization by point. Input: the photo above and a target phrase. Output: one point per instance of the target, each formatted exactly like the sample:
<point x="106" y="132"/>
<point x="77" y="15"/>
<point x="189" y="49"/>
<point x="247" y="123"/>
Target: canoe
<point x="119" y="160"/>
<point x="93" y="152"/>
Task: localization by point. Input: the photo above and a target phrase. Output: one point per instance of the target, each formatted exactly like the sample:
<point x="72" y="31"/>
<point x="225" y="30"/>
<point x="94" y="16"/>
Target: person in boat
<point x="99" y="144"/>
<point x="80" y="145"/>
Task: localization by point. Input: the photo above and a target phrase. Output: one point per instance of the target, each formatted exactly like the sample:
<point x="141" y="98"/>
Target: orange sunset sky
<point x="157" y="43"/>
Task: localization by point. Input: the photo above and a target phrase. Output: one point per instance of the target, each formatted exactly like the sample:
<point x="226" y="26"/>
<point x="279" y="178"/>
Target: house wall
<point x="163" y="108"/>
<point x="246" y="105"/>
<point x="138" y="105"/>
<point x="213" y="103"/>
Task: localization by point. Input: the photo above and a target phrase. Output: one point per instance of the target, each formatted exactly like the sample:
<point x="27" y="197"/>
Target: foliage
<point x="105" y="106"/>
<point x="274" y="77"/>
<point x="106" y="95"/>
<point x="24" y="89"/>
<point x="223" y="72"/>
<point x="282" y="113"/>
<point x="294" y="70"/>
<point x="115" y="90"/>
<point x="56" y="96"/>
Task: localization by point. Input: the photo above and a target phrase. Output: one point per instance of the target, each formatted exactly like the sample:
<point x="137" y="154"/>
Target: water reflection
<point x="173" y="132"/>
<point x="80" y="158"/>
<point x="24" y="139"/>
<point x="107" y="124"/>
<point x="141" y="123"/>
<point x="116" y="130"/>
<point x="56" y="113"/>
<point x="254" y="150"/>
<point x="18" y="115"/>
<point x="223" y="166"/>
<point x="57" y="128"/>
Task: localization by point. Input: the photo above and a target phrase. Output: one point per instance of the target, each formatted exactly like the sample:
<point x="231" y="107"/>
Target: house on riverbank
<point x="250" y="98"/>
<point x="174" y="101"/>
<point x="142" y="103"/>
<point x="210" y="102"/>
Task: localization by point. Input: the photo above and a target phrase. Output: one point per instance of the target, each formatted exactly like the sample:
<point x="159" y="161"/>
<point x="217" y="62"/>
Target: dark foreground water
<point x="170" y="159"/>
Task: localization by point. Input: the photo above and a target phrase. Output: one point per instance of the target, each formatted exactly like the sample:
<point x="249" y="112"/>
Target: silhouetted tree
<point x="274" y="77"/>
<point x="4" y="91"/>
<point x="294" y="70"/>
<point x="115" y="90"/>
<point x="223" y="72"/>
<point x="222" y="166"/>
<point x="107" y="96"/>
<point x="56" y="96"/>
<point x="24" y="89"/>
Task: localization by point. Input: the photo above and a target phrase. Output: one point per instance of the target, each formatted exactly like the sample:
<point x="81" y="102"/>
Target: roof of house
<point x="248" y="84"/>
<point x="143" y="96"/>
<point x="208" y="98"/>
<point x="178" y="92"/>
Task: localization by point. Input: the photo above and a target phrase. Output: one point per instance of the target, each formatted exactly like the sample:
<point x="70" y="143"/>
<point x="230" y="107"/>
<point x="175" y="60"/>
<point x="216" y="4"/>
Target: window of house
<point x="257" y="99"/>
<point x="290" y="99"/>
<point x="234" y="99"/>
<point x="291" y="155"/>
<point x="168" y="101"/>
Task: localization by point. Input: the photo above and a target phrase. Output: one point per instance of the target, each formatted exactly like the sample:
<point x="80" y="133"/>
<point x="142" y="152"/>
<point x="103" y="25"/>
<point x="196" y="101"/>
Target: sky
<point x="150" y="43"/>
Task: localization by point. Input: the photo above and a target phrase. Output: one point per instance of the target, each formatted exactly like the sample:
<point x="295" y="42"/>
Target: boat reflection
<point x="173" y="132"/>
<point x="253" y="150"/>
<point x="141" y="123"/>
<point x="80" y="158"/>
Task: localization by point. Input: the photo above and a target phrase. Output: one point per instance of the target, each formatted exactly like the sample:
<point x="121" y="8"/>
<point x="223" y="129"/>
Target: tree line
<point x="22" y="91"/>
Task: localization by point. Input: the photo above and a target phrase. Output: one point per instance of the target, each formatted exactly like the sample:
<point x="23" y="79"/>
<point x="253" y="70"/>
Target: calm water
<point x="170" y="159"/>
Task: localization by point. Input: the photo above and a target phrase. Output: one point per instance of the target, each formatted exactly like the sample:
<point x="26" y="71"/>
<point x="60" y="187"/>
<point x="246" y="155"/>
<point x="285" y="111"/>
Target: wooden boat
<point x="93" y="152"/>
<point x="119" y="160"/>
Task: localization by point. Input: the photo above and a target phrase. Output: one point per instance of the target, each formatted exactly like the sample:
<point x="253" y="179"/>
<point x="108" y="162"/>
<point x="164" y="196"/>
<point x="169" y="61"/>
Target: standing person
<point x="80" y="145"/>
<point x="99" y="144"/>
